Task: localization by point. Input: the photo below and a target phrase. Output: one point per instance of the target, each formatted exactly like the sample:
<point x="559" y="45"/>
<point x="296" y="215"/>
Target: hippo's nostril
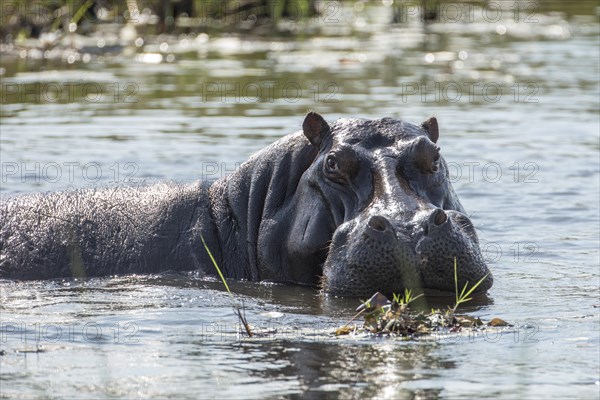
<point x="439" y="217"/>
<point x="378" y="223"/>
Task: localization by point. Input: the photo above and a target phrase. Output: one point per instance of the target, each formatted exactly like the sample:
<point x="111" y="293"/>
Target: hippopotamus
<point x="352" y="208"/>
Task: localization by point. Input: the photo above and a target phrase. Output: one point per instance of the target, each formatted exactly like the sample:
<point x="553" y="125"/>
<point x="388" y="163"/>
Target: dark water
<point x="517" y="103"/>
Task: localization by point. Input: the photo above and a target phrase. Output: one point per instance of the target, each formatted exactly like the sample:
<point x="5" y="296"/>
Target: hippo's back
<point x="101" y="231"/>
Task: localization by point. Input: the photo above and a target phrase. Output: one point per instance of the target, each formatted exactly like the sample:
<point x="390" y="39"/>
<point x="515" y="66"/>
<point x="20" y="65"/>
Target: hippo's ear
<point x="315" y="128"/>
<point x="431" y="126"/>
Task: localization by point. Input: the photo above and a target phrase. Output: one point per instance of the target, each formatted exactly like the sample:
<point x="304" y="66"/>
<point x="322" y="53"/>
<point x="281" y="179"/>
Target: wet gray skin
<point x="356" y="207"/>
<point x="399" y="223"/>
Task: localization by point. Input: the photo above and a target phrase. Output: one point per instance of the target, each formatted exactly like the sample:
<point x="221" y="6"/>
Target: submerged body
<point x="356" y="207"/>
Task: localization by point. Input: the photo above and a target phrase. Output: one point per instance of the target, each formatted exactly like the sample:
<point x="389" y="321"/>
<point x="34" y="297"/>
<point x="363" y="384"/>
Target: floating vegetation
<point x="395" y="318"/>
<point x="31" y="18"/>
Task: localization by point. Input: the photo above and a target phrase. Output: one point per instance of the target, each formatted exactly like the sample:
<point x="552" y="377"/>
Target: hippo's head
<point x="380" y="192"/>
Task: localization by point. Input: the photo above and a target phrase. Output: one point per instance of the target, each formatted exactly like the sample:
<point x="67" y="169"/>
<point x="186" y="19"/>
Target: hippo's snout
<point x="442" y="224"/>
<point x="448" y="236"/>
<point x="387" y="254"/>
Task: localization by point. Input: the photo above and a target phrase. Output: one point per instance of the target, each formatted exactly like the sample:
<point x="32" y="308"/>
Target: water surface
<point x="517" y="105"/>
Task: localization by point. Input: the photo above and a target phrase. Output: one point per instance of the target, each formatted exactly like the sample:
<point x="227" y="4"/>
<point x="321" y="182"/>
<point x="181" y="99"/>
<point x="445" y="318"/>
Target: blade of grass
<point x="455" y="281"/>
<point x="235" y="306"/>
<point x="476" y="285"/>
<point x="81" y="11"/>
<point x="464" y="297"/>
<point x="216" y="266"/>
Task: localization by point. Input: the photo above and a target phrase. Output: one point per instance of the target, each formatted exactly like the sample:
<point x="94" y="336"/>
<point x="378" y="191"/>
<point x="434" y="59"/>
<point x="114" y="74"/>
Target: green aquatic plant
<point x="464" y="294"/>
<point x="236" y="307"/>
<point x="406" y="299"/>
<point x="79" y="12"/>
<point x="18" y="17"/>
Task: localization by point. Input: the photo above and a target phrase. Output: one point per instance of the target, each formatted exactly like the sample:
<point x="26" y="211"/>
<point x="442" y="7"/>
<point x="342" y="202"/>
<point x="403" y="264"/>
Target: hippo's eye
<point x="436" y="164"/>
<point x="436" y="161"/>
<point x="331" y="163"/>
